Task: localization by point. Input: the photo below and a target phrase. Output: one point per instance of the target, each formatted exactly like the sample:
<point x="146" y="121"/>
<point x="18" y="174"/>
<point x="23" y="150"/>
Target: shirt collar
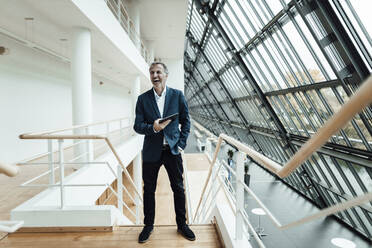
<point x="162" y="94"/>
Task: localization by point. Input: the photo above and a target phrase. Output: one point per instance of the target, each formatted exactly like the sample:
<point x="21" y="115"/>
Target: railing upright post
<point x="121" y="127"/>
<point x="50" y="161"/>
<point x="89" y="143"/>
<point x="119" y="176"/>
<point x="214" y="183"/>
<point x="62" y="171"/>
<point x="239" y="196"/>
<point x="107" y="129"/>
<point x="208" y="147"/>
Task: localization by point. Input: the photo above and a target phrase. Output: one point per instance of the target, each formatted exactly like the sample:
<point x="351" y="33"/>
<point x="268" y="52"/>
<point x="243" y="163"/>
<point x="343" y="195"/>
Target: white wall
<point x="102" y="18"/>
<point x="176" y="73"/>
<point x="35" y="95"/>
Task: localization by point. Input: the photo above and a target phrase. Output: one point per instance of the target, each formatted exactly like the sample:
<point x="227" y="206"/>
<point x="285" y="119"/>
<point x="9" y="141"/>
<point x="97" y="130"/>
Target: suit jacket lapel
<point x="154" y="104"/>
<point x="167" y="100"/>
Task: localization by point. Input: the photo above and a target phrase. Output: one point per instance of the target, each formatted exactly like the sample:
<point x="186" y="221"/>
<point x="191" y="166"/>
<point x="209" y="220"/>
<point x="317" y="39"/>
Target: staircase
<point x="121" y="236"/>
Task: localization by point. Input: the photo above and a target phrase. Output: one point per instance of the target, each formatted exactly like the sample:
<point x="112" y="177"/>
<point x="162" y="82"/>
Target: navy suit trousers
<point x="150" y="171"/>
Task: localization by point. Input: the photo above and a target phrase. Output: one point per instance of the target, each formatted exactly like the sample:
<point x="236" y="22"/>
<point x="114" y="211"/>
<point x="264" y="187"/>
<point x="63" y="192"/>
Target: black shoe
<point x="186" y="232"/>
<point x="145" y="234"/>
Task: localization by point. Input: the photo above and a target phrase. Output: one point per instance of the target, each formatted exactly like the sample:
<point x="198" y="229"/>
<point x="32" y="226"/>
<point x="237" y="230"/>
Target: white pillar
<point x="137" y="178"/>
<point x="134" y="13"/>
<point x="137" y="163"/>
<point x="135" y="92"/>
<point x="81" y="77"/>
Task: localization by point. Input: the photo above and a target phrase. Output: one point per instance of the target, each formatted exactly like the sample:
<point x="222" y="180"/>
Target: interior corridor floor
<point x="288" y="206"/>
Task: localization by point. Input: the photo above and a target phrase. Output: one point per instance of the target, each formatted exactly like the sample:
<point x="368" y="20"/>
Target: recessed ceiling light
<point x="343" y="243"/>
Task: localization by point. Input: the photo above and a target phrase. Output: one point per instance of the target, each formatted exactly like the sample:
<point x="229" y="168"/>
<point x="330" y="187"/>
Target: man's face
<point x="158" y="77"/>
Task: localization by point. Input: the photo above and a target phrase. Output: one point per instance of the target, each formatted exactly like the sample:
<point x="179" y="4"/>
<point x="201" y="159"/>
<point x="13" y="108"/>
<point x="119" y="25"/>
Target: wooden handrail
<point x="361" y="99"/>
<point x="43" y="135"/>
<point x="9" y="170"/>
<point x="69" y="136"/>
<point x="72" y="137"/>
<point x="26" y="135"/>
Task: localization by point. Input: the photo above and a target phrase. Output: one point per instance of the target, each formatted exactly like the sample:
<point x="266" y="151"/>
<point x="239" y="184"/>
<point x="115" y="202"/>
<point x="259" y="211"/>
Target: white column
<point x="81" y="77"/>
<point x="137" y="178"/>
<point x="134" y="13"/>
<point x="176" y="79"/>
<point x="135" y="92"/>
<point x="137" y="163"/>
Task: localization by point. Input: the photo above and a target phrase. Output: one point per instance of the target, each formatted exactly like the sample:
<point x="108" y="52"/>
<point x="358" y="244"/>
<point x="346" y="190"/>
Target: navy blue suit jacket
<point x="147" y="112"/>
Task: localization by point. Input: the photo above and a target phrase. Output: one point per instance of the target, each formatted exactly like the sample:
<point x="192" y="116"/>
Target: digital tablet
<point x="170" y="117"/>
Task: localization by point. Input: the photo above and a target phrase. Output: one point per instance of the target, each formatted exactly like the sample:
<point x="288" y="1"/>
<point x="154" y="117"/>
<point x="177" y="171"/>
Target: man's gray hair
<point x="160" y="63"/>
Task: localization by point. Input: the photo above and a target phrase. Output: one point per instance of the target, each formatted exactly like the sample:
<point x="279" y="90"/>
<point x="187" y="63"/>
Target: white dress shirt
<point x="160" y="101"/>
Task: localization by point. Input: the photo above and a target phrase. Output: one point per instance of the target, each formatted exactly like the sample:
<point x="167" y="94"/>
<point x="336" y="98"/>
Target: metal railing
<point x="187" y="190"/>
<point x="361" y="99"/>
<point x="119" y="10"/>
<point x="84" y="155"/>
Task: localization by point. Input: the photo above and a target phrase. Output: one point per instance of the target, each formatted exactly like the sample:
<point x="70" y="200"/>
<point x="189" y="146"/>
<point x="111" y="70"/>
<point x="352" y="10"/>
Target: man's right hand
<point x="160" y="126"/>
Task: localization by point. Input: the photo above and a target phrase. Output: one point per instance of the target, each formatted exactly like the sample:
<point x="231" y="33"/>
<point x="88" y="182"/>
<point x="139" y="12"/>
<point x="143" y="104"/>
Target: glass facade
<point x="271" y="73"/>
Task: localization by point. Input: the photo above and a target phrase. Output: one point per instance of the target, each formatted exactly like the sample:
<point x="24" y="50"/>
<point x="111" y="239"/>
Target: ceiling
<point x="163" y="25"/>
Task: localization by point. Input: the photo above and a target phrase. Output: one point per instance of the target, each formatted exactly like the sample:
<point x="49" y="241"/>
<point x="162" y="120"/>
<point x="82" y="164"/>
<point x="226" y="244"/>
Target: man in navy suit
<point x="162" y="145"/>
